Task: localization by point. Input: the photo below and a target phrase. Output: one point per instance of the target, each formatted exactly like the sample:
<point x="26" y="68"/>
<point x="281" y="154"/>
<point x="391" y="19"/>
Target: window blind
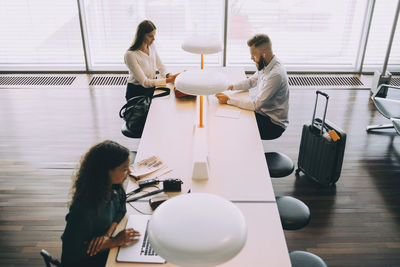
<point x="307" y="35"/>
<point x="40" y="35"/>
<point x="381" y="27"/>
<point x="111" y="28"/>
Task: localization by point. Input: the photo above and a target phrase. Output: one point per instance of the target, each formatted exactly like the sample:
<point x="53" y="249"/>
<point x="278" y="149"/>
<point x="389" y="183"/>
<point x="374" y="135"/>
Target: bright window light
<point x="381" y="28"/>
<point x="111" y="28"/>
<point x="40" y="35"/>
<point x="305" y="35"/>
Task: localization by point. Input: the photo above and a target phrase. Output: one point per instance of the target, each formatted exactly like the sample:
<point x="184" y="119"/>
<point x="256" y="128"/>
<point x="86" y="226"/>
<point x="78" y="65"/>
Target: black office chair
<point x="305" y="259"/>
<point x="49" y="259"/>
<point x="293" y="212"/>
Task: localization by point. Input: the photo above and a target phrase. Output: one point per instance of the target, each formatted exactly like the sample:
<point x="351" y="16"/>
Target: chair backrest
<point x="396" y="124"/>
<point x="388" y="105"/>
<point x="49" y="260"/>
<point x="383" y="90"/>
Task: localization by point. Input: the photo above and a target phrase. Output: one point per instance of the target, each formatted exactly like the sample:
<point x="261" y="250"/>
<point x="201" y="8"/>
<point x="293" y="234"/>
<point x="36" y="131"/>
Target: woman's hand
<point x="125" y="236"/>
<point x="96" y="245"/>
<point x="171" y="78"/>
<point x="100" y="243"/>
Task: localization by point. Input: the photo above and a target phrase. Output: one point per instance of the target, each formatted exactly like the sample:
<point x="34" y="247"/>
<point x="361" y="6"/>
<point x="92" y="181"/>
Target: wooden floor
<point x="43" y="133"/>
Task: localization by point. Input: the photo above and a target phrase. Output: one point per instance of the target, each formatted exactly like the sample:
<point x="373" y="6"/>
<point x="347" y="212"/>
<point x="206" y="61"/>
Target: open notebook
<point x="140" y="251"/>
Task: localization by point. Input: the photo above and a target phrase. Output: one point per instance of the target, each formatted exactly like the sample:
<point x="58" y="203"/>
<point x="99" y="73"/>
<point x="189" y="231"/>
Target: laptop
<point x="140" y="251"/>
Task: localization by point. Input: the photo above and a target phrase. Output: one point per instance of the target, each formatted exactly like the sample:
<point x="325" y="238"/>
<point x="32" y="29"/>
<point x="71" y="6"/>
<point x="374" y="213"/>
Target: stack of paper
<point x="147" y="166"/>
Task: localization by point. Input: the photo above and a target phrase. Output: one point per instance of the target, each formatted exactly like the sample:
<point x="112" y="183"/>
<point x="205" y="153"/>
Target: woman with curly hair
<point x="97" y="206"/>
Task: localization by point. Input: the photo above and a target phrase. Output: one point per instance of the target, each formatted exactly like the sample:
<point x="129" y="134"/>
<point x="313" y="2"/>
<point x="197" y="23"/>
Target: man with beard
<point x="269" y="90"/>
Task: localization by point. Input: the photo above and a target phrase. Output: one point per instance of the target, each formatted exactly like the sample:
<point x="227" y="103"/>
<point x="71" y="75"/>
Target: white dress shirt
<point x="269" y="93"/>
<point x="142" y="68"/>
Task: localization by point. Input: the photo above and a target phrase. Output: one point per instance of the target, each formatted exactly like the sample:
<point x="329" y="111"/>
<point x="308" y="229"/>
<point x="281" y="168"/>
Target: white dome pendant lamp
<point x="201" y="82"/>
<point x="197" y="229"/>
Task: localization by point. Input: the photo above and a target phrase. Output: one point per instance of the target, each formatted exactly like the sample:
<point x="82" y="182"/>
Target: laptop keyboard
<point x="146" y="249"/>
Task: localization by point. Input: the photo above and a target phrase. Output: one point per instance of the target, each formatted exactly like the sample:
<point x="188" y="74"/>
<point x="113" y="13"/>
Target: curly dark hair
<point x="146" y="26"/>
<point x="92" y="182"/>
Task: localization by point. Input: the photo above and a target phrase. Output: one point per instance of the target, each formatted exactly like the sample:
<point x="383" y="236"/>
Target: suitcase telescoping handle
<point x="315" y="109"/>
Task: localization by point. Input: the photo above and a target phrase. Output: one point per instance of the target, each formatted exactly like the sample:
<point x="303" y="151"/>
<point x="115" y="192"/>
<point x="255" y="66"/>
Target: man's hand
<point x="222" y="98"/>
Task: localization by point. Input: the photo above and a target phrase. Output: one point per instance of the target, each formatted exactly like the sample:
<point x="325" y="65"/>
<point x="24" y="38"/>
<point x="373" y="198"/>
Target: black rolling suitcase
<point x="321" y="149"/>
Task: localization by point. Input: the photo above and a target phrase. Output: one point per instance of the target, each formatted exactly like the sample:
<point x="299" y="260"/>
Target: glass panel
<point x="40" y="35"/>
<point x="311" y="35"/>
<point x="381" y="28"/>
<point x="112" y="26"/>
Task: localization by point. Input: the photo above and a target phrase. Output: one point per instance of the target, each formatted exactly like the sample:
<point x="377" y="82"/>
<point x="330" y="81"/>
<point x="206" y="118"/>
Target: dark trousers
<point x="136" y="90"/>
<point x="267" y="129"/>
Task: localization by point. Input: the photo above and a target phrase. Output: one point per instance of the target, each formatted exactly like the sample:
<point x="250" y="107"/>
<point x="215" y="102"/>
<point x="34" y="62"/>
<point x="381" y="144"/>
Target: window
<point x="381" y="27"/>
<point x="111" y="29"/>
<point x="306" y="34"/>
<point x="40" y="35"/>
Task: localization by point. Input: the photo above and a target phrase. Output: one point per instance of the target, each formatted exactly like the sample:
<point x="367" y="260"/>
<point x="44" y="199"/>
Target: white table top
<point x="238" y="170"/>
<point x="265" y="245"/>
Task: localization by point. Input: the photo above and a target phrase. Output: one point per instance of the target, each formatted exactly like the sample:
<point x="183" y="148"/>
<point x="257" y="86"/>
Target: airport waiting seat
<point x="388" y="107"/>
<point x="396" y="124"/>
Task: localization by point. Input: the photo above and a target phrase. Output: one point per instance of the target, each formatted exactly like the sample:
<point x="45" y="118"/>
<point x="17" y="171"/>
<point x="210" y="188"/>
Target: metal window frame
<point x="225" y="32"/>
<point x="362" y="48"/>
<point x="84" y="35"/>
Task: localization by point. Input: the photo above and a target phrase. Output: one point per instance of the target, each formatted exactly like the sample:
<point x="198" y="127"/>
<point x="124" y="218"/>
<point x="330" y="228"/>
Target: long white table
<point x="238" y="170"/>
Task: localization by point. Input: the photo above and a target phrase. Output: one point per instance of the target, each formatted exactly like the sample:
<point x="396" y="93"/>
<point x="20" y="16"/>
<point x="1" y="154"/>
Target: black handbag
<point x="134" y="112"/>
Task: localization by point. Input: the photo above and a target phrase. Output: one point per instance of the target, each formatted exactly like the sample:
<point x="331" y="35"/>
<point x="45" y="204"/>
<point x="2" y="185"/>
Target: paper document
<point x="228" y="113"/>
<point x="146" y="166"/>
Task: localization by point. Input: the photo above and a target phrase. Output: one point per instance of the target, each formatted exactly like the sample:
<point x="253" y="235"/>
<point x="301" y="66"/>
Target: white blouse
<point x="142" y="68"/>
